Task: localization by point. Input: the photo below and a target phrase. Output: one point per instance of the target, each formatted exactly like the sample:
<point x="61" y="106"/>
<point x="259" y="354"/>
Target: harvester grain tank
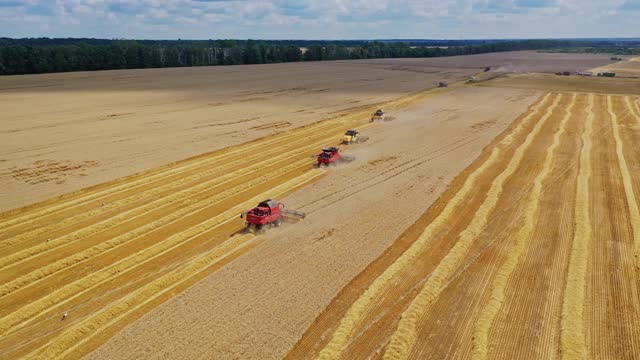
<point x="331" y="155"/>
<point x="268" y="213"/>
<point x="353" y="137"/>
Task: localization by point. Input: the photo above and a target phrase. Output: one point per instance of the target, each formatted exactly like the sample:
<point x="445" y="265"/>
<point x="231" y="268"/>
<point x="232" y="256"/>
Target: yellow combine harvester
<point x="378" y="115"/>
<point x="353" y="137"/>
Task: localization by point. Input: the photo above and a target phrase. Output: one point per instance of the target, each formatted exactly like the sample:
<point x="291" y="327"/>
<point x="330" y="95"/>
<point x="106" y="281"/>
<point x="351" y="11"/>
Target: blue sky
<point x="319" y="19"/>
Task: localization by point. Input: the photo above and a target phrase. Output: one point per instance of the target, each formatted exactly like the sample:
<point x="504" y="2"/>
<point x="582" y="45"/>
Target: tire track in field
<point x="352" y="318"/>
<point x="58" y="298"/>
<point x="521" y="239"/>
<point x="405" y="335"/>
<point x="572" y="330"/>
<point x="634" y="213"/>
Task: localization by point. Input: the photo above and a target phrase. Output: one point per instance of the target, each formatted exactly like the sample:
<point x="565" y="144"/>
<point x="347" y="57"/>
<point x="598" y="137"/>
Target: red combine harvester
<point x="331" y="155"/>
<point x="268" y="213"/>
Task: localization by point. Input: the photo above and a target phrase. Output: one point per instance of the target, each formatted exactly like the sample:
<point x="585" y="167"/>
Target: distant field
<point x="62" y="132"/>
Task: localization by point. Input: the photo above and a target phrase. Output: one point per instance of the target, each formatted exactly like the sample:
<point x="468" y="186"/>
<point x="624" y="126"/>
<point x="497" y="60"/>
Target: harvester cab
<point x="378" y="115"/>
<point x="353" y="137"/>
<point x="268" y="213"/>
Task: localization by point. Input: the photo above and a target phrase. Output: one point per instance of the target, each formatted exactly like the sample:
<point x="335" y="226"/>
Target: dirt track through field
<point x="532" y="252"/>
<point x="108" y="254"/>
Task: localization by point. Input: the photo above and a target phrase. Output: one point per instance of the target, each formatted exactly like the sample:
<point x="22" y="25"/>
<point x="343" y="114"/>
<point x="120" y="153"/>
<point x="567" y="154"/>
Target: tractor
<point x="268" y="213"/>
<point x="353" y="137"/>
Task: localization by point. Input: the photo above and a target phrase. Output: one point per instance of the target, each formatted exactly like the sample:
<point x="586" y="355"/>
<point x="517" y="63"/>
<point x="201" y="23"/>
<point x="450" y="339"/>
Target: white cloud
<point x="318" y="18"/>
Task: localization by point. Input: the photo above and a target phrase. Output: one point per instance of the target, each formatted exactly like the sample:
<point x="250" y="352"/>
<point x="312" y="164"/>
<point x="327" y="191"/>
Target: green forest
<point x="43" y="55"/>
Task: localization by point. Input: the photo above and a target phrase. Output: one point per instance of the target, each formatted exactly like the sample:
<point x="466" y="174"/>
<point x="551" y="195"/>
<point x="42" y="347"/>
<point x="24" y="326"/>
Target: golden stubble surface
<point x="63" y="132"/>
<point x="532" y="252"/>
<point x="106" y="255"/>
<point x="258" y="306"/>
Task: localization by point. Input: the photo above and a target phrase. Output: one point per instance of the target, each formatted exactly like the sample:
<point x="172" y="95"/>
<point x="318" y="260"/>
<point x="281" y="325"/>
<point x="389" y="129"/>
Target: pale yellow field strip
<point x="353" y="316"/>
<point x="521" y="239"/>
<point x="634" y="213"/>
<point x="404" y="338"/>
<point x="573" y="337"/>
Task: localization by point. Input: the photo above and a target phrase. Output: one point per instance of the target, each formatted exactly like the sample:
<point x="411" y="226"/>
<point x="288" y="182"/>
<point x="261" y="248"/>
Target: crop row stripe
<point x="18" y="319"/>
<point x="634" y="213"/>
<point x="572" y="332"/>
<point x="82" y="332"/>
<point x="239" y="150"/>
<point x="25" y="254"/>
<point x="118" y="241"/>
<point x="151" y="193"/>
<point x="357" y="310"/>
<point x="485" y="320"/>
<point x="633" y="207"/>
<point x="405" y="336"/>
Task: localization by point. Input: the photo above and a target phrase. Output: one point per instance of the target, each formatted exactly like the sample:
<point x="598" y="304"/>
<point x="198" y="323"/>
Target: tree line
<point x="42" y="55"/>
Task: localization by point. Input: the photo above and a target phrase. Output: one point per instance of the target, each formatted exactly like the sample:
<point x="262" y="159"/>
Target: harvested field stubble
<point x="540" y="260"/>
<point x="64" y="132"/>
<point x="108" y="254"/>
<point x="266" y="299"/>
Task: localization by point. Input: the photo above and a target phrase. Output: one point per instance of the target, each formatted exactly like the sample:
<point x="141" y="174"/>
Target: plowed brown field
<point x="532" y="252"/>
